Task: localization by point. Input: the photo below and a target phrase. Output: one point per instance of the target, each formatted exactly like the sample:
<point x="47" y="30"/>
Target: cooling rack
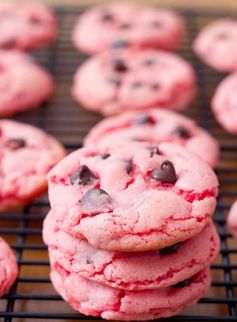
<point x="32" y="298"/>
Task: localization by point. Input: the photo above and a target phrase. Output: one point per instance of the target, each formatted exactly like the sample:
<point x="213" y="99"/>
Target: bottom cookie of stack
<point x="91" y="298"/>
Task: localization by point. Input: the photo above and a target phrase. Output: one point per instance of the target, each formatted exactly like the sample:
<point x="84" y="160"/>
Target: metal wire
<point x="32" y="297"/>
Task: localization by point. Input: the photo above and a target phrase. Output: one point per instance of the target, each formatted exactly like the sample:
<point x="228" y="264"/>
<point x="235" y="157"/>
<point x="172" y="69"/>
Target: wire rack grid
<point x="32" y="298"/>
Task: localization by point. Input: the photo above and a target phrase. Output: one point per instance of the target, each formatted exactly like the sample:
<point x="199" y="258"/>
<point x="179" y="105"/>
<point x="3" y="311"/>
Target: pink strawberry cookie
<point x="25" y="25"/>
<point x="132" y="271"/>
<point x="133" y="198"/>
<point x="23" y="83"/>
<point x="224" y="103"/>
<point x="232" y="219"/>
<point x="127" y="25"/>
<point x="109" y="303"/>
<point x="116" y="82"/>
<point x="155" y="126"/>
<point x="27" y="154"/>
<point x="8" y="267"/>
<point x="216" y="44"/>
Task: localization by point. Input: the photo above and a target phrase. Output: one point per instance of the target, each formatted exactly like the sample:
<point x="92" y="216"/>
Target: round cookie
<point x="132" y="271"/>
<point x="27" y="155"/>
<point x="155" y="126"/>
<point x="232" y="219"/>
<point x="23" y="83"/>
<point x="8" y="268"/>
<point x="25" y="25"/>
<point x="216" y="44"/>
<point x="112" y="83"/>
<point x="134" y="198"/>
<point x="224" y="103"/>
<point x="109" y="303"/>
<point x="127" y="25"/>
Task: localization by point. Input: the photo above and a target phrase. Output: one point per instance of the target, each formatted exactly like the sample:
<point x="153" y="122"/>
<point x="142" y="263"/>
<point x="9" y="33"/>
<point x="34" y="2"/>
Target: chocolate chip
<point x="181" y="132"/>
<point x="35" y="21"/>
<point x="223" y="35"/>
<point x="154" y="150"/>
<point x="165" y="174"/>
<point x="82" y="176"/>
<point x="125" y="25"/>
<point x="119" y="65"/>
<point x="105" y="156"/>
<point x="184" y="283"/>
<point x="137" y="84"/>
<point x="120" y="44"/>
<point x="155" y="86"/>
<point x="15" y="144"/>
<point x="156" y="24"/>
<point x="89" y="261"/>
<point x="129" y="167"/>
<point x="9" y="44"/>
<point x="170" y="249"/>
<point x="143" y="119"/>
<point x="115" y="81"/>
<point x="96" y="201"/>
<point x="106" y="17"/>
<point x="149" y="62"/>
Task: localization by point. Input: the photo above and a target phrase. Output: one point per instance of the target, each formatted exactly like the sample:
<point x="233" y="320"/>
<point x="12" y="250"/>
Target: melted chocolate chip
<point x="119" y="65"/>
<point x="184" y="283"/>
<point x="125" y="25"/>
<point x="95" y="201"/>
<point x="15" y="144"/>
<point x="107" y="17"/>
<point x="153" y="151"/>
<point x="82" y="176"/>
<point x="115" y="81"/>
<point x="129" y="167"/>
<point x="155" y="87"/>
<point x="120" y="44"/>
<point x="105" y="156"/>
<point x="149" y="62"/>
<point x="143" y="119"/>
<point x="181" y="132"/>
<point x="165" y="174"/>
<point x="137" y="84"/>
<point x="170" y="249"/>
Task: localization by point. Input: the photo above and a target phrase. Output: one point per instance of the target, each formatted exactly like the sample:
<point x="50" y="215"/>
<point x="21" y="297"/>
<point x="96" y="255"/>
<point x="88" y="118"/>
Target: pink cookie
<point x="113" y="83"/>
<point x="25" y="25"/>
<point x="232" y="219"/>
<point x="134" y="198"/>
<point x="27" y="154"/>
<point x="132" y="271"/>
<point x="216" y="44"/>
<point x="8" y="268"/>
<point x="155" y="126"/>
<point x="109" y="303"/>
<point x="23" y="83"/>
<point x="127" y="25"/>
<point x="224" y="103"/>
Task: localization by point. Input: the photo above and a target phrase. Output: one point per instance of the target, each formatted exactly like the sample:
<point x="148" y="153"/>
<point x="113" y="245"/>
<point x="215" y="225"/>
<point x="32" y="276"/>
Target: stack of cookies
<point x="129" y="233"/>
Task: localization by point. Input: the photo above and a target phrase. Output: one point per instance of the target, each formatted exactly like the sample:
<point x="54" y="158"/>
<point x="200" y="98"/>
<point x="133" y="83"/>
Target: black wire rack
<point x="32" y="298"/>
